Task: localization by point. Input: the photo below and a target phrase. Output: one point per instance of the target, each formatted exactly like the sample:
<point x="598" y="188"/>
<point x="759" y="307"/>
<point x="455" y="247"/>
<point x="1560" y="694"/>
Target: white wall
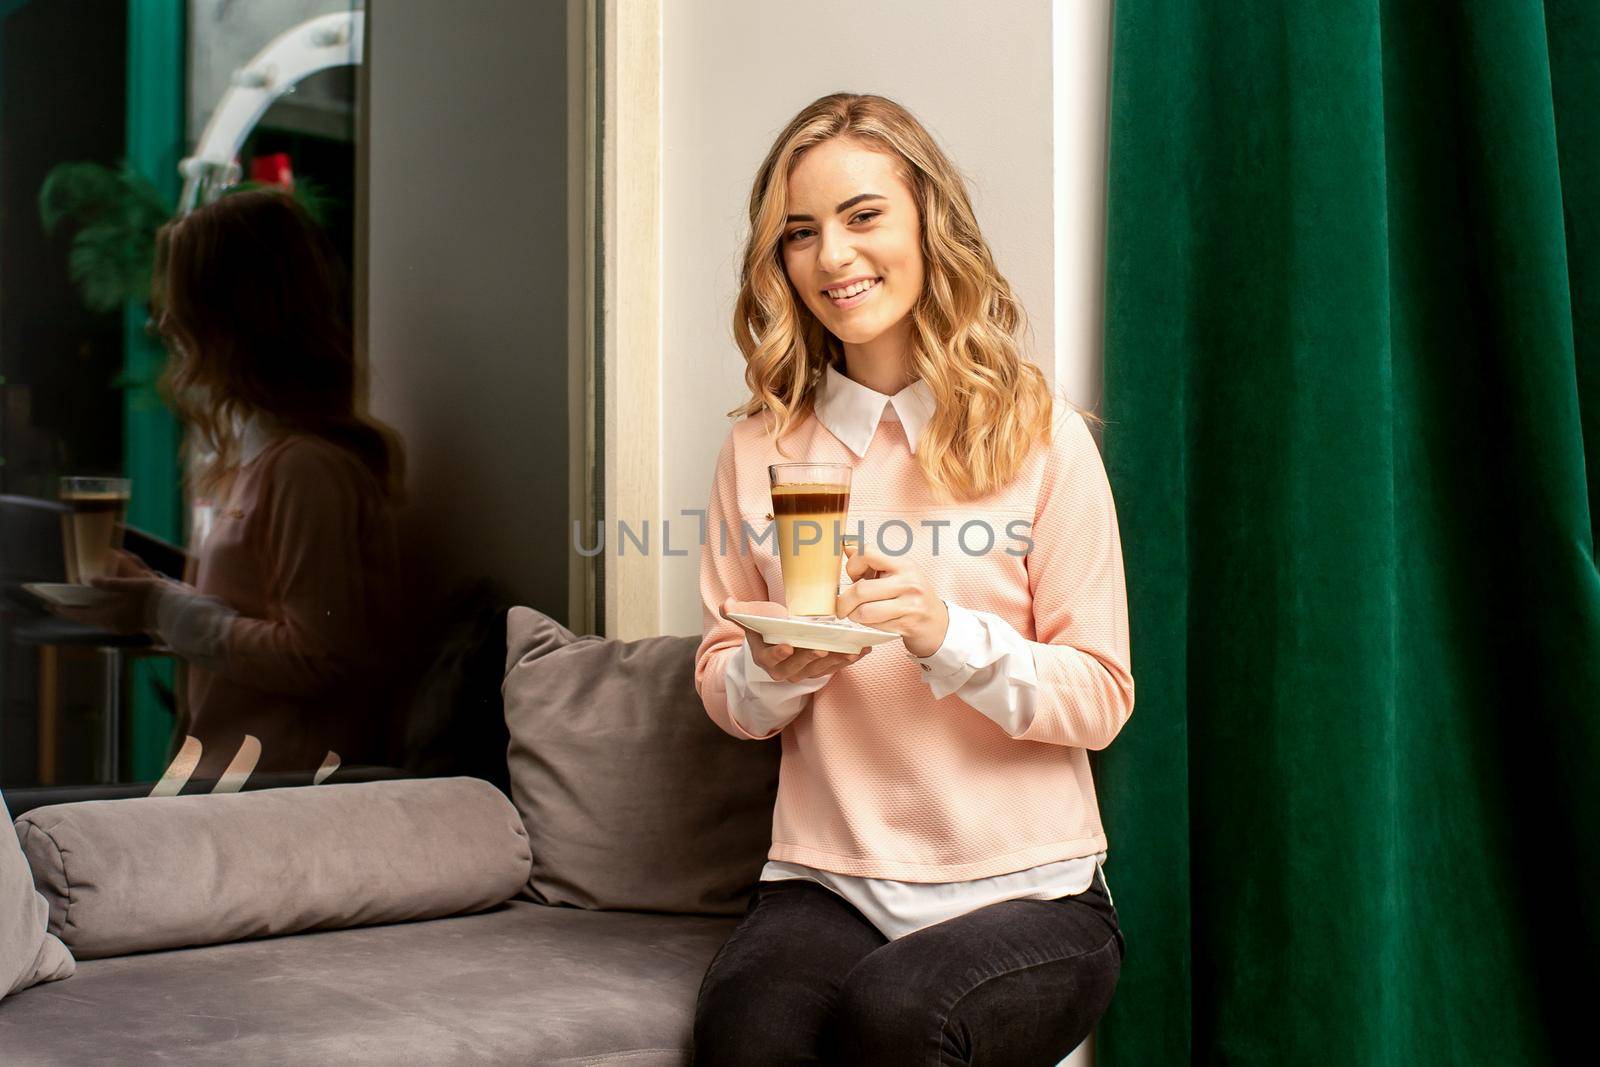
<point x="979" y="76"/>
<point x="467" y="283"/>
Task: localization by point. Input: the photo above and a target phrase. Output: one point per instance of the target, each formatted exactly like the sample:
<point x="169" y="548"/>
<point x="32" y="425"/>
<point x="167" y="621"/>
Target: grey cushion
<point x="160" y="872"/>
<point x="28" y="953"/>
<point x="632" y="797"/>
<point x="519" y="984"/>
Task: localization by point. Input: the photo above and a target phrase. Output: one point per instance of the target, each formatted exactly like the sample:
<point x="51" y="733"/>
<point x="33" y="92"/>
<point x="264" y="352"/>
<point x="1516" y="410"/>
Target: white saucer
<point x="837" y="636"/>
<point x="68" y="595"/>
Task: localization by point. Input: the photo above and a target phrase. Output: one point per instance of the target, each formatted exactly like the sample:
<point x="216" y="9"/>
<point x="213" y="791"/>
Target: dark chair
<point x="454" y="721"/>
<point x="30" y="546"/>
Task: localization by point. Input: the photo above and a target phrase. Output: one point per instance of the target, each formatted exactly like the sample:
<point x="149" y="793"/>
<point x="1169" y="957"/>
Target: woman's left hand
<point x="889" y="594"/>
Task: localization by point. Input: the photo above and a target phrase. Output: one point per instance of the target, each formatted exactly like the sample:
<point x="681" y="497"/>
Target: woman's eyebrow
<point x="846" y="206"/>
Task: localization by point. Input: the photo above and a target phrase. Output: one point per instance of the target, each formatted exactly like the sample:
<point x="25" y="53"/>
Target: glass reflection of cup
<point x="91" y="527"/>
<point x="809" y="502"/>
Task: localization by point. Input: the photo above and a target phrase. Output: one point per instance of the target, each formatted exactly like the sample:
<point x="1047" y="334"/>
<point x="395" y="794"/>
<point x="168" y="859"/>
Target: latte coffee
<point x="809" y="504"/>
<point x="91" y="527"/>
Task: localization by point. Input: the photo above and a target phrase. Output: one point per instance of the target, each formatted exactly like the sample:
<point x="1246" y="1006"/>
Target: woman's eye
<point x="861" y="216"/>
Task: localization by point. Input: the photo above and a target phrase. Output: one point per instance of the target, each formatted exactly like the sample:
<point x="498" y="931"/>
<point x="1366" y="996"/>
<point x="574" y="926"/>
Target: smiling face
<point x="852" y="245"/>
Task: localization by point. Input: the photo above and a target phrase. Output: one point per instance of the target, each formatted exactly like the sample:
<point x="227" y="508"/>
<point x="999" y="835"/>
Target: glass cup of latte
<point x="91" y="527"/>
<point x="809" y="502"/>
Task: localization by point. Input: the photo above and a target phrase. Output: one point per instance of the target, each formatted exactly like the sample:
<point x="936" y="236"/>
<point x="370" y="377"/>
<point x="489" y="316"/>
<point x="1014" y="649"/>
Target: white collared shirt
<point x="256" y="432"/>
<point x="851" y="411"/>
<point x="983" y="659"/>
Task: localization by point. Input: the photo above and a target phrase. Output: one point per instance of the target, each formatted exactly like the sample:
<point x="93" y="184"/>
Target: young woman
<point x="287" y="628"/>
<point x="933" y="892"/>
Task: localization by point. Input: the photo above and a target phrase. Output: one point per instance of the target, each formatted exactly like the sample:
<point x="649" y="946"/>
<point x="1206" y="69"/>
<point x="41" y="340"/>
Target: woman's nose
<point x="834" y="253"/>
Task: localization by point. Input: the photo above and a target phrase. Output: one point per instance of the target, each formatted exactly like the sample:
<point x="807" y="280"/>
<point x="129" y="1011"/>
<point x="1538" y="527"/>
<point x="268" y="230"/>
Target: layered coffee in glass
<point x="91" y="527"/>
<point x="809" y="504"/>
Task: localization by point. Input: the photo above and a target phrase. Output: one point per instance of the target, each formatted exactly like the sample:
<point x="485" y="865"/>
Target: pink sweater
<point x="303" y="550"/>
<point x="880" y="778"/>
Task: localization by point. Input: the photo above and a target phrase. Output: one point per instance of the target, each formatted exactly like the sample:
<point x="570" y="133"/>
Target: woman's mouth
<point x="858" y="293"/>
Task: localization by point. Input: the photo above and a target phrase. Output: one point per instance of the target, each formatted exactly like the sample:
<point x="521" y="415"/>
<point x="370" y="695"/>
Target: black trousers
<point x="805" y="979"/>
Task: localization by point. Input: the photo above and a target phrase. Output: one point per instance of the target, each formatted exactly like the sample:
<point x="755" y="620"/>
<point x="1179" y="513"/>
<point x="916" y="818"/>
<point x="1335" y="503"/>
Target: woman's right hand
<point x="783" y="662"/>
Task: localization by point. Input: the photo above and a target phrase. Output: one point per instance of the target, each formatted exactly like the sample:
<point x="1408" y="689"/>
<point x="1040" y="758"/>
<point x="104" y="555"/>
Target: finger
<point x="860" y="567"/>
<point x="802" y="661"/>
<point x="760" y="651"/>
<point x="880" y="614"/>
<point x="776" y="666"/>
<point x="870" y="589"/>
<point x="874" y="560"/>
<point x="132" y="566"/>
<point x="846" y="658"/>
<point x="832" y="662"/>
<point x="879" y="588"/>
<point x="793" y="669"/>
<point x="770" y="658"/>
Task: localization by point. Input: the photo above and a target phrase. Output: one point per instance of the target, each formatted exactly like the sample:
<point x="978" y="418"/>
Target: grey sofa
<point x="639" y="830"/>
<point x="522" y="983"/>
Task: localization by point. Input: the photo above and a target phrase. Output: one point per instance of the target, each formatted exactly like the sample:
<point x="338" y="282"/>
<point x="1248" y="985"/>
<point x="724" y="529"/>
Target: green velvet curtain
<point x="1353" y="424"/>
<point x="151" y="436"/>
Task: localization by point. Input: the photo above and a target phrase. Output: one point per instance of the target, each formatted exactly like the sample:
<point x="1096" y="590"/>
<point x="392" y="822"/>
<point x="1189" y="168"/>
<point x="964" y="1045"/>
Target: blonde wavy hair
<point x="993" y="405"/>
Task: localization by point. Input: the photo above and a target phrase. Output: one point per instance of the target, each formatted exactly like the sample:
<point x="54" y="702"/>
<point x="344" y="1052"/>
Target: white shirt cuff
<point x="193" y="626"/>
<point x="989" y="665"/>
<point x="951" y="663"/>
<point x="759" y="704"/>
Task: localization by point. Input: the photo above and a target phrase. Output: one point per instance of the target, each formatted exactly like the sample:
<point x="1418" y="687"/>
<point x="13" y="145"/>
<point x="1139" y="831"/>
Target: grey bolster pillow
<point x="148" y="873"/>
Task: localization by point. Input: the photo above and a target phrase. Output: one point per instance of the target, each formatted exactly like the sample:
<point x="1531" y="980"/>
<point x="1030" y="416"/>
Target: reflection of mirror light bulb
<point x="178" y="772"/>
<point x="245" y="78"/>
<point x="238" y="771"/>
<point x="330" y="763"/>
<point x="328" y="41"/>
<point x="323" y="37"/>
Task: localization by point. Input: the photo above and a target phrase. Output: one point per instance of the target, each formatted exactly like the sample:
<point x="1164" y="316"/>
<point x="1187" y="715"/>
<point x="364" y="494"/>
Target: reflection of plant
<point x="117" y="212"/>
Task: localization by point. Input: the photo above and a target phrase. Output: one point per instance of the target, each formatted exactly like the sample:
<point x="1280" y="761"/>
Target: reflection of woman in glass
<point x="285" y="629"/>
<point x="933" y="891"/>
